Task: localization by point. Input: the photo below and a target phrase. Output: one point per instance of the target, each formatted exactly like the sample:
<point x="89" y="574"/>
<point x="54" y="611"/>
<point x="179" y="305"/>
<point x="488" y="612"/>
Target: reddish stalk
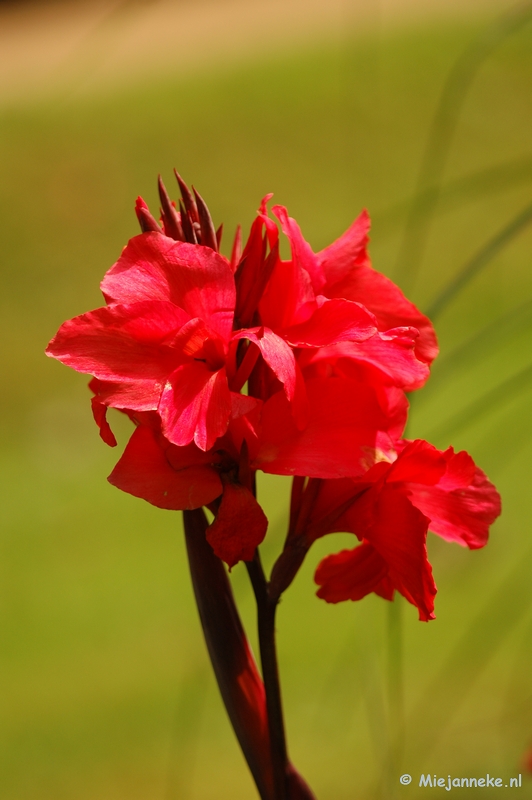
<point x="263" y="742"/>
<point x="266" y="610"/>
<point x="236" y="673"/>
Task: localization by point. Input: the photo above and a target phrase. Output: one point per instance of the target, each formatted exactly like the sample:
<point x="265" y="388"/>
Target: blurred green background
<point x="106" y="686"/>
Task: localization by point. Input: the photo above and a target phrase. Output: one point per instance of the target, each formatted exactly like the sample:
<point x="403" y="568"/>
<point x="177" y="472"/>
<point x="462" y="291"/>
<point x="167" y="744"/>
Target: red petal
<point x="331" y="508"/>
<point x="193" y="277"/>
<point x="390" y="398"/>
<point x="461" y="515"/>
<point x="393" y="555"/>
<point x="333" y="321"/>
<point x="255" y="266"/>
<point x="288" y="298"/>
<point x="392" y="353"/>
<point x="243" y="426"/>
<point x="397" y="530"/>
<point x="460" y="470"/>
<point x="382" y="297"/>
<point x="239" y="527"/>
<point x="346" y="253"/>
<point x="385" y="589"/>
<point x="236" y="252"/>
<point x="242" y="404"/>
<point x="277" y="354"/>
<point x="254" y="242"/>
<point x="269" y="224"/>
<point x="419" y="462"/>
<point x="281" y="360"/>
<point x="344" y="420"/>
<point x="133" y="395"/>
<point x="350" y="574"/>
<point x="195" y="405"/>
<point x="172" y="478"/>
<point x="302" y="254"/>
<point x="99" y="412"/>
<point x="121" y="342"/>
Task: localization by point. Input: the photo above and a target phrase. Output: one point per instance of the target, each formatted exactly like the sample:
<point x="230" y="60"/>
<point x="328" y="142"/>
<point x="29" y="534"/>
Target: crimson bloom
<point x="185" y="328"/>
<point x="390" y="509"/>
<point x="343" y="269"/>
<point x="162" y="342"/>
<point x="403" y="342"/>
<point x="169" y="350"/>
<point x="166" y="340"/>
<point x="296" y="367"/>
<point x="187" y="478"/>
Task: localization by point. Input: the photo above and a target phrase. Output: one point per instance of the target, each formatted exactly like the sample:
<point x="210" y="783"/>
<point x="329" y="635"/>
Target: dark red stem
<point x="266" y="610"/>
<point x="256" y="717"/>
<point x="238" y="679"/>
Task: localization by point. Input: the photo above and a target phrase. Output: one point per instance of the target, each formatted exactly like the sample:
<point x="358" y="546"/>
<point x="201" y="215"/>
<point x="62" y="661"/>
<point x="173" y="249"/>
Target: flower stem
<point x="234" y="667"/>
<point x="266" y="610"/>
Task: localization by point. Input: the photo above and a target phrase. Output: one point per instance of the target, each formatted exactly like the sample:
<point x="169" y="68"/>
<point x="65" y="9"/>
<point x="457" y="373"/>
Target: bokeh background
<point x="107" y="691"/>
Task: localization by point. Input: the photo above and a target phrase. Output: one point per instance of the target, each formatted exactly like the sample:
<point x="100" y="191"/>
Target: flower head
<point x="296" y="367"/>
<point x="390" y="509"/>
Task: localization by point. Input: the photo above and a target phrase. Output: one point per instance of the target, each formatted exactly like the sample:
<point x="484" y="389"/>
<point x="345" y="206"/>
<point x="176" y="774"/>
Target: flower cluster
<point x="301" y="368"/>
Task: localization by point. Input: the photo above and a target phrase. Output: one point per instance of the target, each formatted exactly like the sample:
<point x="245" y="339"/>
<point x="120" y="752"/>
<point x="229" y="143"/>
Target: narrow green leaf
<point x="479" y="261"/>
<point x="497" y="333"/>
<point x="503" y="393"/>
<point x="458" y="192"/>
<point x="443" y="126"/>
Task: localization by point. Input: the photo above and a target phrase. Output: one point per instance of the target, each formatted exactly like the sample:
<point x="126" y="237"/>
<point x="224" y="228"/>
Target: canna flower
<point x="185" y="329"/>
<point x="161" y="343"/>
<point x="297" y="367"/>
<point x="187" y="478"/>
<point x="167" y="341"/>
<point x="398" y="348"/>
<point x="345" y="421"/>
<point x="390" y="509"/>
<point x="343" y="269"/>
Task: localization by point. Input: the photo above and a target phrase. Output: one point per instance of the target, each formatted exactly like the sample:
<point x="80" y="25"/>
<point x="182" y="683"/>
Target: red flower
<point x="162" y="342"/>
<point x="187" y="478"/>
<point x="343" y="269"/>
<point x="327" y="348"/>
<point x="390" y="509"/>
<point x="349" y="420"/>
<point x="166" y="341"/>
<point x="298" y="367"/>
